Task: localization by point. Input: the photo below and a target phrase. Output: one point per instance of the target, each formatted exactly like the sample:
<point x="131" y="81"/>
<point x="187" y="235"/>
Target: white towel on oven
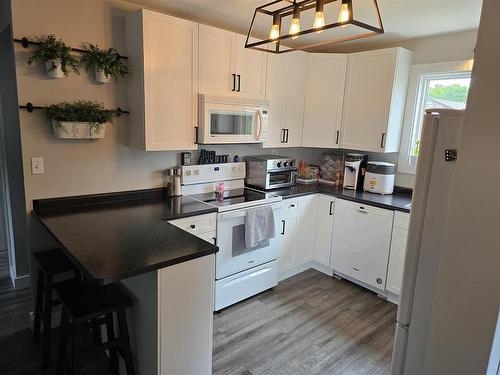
<point x="259" y="226"/>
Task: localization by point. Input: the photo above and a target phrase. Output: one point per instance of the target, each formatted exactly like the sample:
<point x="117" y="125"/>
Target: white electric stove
<point x="241" y="272"/>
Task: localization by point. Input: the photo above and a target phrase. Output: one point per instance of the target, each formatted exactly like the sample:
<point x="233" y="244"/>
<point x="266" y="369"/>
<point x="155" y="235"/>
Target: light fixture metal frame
<point x="303" y="6"/>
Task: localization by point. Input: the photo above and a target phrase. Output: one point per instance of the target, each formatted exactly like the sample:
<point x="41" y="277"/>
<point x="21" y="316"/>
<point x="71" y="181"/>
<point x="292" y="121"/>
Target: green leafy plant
<point x="80" y="111"/>
<point x="51" y="49"/>
<point x="106" y="60"/>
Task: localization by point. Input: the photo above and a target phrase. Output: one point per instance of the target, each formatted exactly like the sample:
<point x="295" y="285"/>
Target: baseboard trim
<point x="21" y="282"/>
<point x="304" y="267"/>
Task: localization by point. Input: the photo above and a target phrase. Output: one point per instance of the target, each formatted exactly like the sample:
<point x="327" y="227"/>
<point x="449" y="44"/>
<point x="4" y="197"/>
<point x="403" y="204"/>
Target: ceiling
<point x="402" y="19"/>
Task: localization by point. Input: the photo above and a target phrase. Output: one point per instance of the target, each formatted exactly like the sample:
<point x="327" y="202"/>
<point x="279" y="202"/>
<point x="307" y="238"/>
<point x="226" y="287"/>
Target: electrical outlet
<point x="37" y="166"/>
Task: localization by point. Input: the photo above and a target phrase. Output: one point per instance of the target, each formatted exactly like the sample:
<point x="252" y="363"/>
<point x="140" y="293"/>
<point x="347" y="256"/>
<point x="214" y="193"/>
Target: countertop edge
<point x="348" y="198"/>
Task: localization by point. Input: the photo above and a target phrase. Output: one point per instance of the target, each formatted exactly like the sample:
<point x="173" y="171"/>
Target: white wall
<point x="468" y="284"/>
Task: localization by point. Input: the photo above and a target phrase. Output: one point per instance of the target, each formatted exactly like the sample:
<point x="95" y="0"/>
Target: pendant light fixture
<point x="274" y="34"/>
<point x="345" y="13"/>
<point x="319" y="16"/>
<point x="343" y="19"/>
<point x="295" y="25"/>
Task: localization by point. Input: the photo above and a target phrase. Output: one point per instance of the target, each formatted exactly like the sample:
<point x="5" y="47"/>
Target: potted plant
<point x="106" y="64"/>
<point x="79" y="120"/>
<point x="56" y="56"/>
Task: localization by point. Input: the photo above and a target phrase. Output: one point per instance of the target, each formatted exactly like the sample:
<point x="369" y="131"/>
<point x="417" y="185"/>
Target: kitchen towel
<point x="259" y="226"/>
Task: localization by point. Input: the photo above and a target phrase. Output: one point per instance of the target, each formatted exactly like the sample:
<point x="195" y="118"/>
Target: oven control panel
<point x="197" y="174"/>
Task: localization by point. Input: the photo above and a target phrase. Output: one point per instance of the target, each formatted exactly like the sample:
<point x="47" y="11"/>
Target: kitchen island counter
<point x="114" y="236"/>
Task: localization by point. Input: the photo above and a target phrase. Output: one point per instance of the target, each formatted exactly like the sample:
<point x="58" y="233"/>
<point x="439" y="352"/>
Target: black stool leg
<point x="127" y="353"/>
<point x="76" y="365"/>
<point x="113" y="356"/>
<point x="96" y="331"/>
<point x="63" y="336"/>
<point x="38" y="307"/>
<point x="47" y="322"/>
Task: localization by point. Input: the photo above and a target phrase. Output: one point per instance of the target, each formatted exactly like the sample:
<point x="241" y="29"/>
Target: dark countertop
<point x="394" y="201"/>
<point x="118" y="235"/>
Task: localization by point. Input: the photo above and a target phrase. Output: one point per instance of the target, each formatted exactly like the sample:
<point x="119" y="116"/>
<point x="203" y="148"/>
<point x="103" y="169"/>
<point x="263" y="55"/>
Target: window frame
<point x="420" y="75"/>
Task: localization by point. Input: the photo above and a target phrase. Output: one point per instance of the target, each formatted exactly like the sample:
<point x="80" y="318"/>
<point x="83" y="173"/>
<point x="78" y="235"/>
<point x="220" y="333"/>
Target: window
<point x="442" y="85"/>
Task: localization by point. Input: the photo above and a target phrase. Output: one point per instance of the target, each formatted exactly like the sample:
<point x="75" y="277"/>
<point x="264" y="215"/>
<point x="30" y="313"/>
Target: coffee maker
<point x="354" y="171"/>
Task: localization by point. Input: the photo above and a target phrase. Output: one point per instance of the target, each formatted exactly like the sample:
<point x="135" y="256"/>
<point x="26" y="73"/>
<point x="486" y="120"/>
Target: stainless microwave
<point x="225" y="120"/>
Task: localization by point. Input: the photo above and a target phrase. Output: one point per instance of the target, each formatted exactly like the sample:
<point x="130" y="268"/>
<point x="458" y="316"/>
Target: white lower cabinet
<point x="297" y="234"/>
<point x="361" y="243"/>
<point x="397" y="256"/>
<point x="324" y="227"/>
<point x="185" y="317"/>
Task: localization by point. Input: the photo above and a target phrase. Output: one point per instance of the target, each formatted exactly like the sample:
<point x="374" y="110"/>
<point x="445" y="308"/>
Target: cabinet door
<point x="275" y="89"/>
<point x="295" y="95"/>
<point x="374" y="99"/>
<point x="324" y="226"/>
<point x="288" y="236"/>
<point x="362" y="237"/>
<point x="285" y="92"/>
<point x="217" y="61"/>
<point x="324" y="100"/>
<point x="170" y="82"/>
<point x="306" y="229"/>
<point x="396" y="260"/>
<point x="251" y="68"/>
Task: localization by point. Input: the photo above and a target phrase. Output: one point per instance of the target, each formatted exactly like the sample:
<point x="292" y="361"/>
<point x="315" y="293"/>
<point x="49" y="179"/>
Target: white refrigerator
<point x="441" y="133"/>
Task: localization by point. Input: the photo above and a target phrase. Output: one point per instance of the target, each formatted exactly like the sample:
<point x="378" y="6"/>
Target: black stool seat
<point x="50" y="264"/>
<point x="84" y="301"/>
<point x="85" y="308"/>
<point x="54" y="262"/>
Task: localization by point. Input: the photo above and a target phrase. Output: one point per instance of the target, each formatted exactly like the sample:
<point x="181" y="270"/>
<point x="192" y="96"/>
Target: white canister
<point x="379" y="177"/>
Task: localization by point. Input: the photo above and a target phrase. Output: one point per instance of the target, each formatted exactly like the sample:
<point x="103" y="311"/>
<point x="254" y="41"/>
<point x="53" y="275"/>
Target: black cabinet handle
<point x="195" y="135"/>
<point x="338" y="134"/>
<point x="234" y="82"/>
<point x="239" y="83"/>
<point x="287" y="130"/>
<point x="382" y="141"/>
<point x="282" y="135"/>
<point x="193" y="226"/>
<point x="292" y="205"/>
<point x="283" y="224"/>
<point x="331" y="208"/>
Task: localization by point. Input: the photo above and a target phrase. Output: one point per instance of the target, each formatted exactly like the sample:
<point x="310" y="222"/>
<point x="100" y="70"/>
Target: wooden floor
<point x="309" y="324"/>
<point x="14" y="305"/>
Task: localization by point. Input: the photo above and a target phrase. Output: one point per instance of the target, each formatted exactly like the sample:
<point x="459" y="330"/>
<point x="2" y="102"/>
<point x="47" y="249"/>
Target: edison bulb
<point x="344" y="13"/>
<point x="294" y="28"/>
<point x="319" y="21"/>
<point x="275" y="33"/>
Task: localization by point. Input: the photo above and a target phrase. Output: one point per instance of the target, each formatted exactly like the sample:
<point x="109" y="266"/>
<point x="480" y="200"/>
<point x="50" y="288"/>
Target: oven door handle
<point x="241" y="213"/>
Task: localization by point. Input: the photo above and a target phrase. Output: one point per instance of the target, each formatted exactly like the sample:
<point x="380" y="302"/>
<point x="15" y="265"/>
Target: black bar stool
<point x="86" y="308"/>
<point x="50" y="264"/>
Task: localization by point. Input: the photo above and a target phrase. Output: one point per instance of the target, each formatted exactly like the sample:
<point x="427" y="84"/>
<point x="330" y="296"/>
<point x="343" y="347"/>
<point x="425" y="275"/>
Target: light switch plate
<point x="37" y="166"/>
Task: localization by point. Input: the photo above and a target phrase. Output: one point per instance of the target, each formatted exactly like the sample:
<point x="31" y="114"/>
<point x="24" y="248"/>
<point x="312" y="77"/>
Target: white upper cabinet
<point x="324" y="99"/>
<point x="286" y="88"/>
<point x="375" y="93"/>
<point x="162" y="90"/>
<point x="217" y="61"/>
<point x="227" y="67"/>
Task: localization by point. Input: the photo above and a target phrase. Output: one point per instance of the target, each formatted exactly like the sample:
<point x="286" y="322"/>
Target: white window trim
<point x="412" y="101"/>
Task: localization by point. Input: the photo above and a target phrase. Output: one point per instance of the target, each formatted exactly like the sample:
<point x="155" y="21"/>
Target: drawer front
<point x="208" y="236"/>
<point x="294" y="204"/>
<point x="401" y="220"/>
<point x="362" y="207"/>
<point x="197" y="224"/>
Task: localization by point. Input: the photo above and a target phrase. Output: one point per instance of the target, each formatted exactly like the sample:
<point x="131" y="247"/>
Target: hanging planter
<point x="106" y="64"/>
<point x="56" y="56"/>
<point x="79" y="120"/>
